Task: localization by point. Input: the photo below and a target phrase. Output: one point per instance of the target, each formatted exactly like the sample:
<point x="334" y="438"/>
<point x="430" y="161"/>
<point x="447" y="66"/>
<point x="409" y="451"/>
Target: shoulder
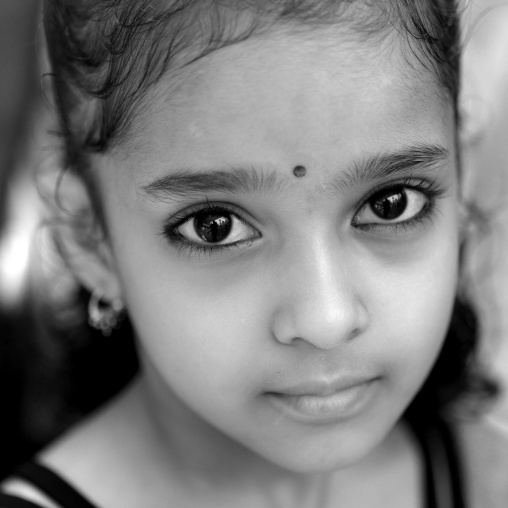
<point x="483" y="446"/>
<point x="25" y="491"/>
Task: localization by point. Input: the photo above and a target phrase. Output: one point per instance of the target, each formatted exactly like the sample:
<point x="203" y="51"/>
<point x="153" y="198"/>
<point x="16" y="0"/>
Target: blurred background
<point x="484" y="101"/>
<point x="28" y="268"/>
<point x="20" y="101"/>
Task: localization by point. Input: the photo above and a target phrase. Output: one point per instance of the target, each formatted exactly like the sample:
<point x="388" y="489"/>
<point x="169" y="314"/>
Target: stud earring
<point x="105" y="316"/>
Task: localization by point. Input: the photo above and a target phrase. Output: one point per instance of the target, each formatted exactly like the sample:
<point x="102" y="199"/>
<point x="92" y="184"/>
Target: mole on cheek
<point x="299" y="171"/>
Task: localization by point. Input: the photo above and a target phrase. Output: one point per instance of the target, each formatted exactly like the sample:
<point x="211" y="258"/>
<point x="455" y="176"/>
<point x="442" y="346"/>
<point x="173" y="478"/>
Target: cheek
<point x="418" y="311"/>
<point x="205" y="330"/>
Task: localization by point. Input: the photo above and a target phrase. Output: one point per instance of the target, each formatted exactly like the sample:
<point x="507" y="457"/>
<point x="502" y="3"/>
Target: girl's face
<point x="296" y="315"/>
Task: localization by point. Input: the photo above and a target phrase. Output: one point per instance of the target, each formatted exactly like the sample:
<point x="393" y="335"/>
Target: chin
<point x="328" y="456"/>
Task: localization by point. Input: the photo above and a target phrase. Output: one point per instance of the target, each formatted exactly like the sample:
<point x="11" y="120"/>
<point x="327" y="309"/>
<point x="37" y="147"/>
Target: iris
<point x="212" y="227"/>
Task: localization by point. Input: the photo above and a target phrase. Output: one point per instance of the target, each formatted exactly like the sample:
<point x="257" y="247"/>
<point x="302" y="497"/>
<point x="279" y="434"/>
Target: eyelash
<point x="190" y="248"/>
<point x="430" y="189"/>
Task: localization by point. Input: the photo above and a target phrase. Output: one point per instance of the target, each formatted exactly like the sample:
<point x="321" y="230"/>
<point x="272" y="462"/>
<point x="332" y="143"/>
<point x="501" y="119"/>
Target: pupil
<point x="389" y="206"/>
<point x="212" y="227"/>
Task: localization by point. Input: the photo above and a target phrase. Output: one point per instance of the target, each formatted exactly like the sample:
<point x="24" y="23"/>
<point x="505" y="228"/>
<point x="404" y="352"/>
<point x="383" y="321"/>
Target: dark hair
<point x="105" y="54"/>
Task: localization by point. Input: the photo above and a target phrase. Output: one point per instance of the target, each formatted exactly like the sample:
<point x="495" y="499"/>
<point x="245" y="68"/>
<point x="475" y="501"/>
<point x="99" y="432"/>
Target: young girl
<point x="270" y="192"/>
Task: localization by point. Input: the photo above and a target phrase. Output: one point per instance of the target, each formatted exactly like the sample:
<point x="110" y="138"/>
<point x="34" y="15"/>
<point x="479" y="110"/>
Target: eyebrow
<point x="187" y="182"/>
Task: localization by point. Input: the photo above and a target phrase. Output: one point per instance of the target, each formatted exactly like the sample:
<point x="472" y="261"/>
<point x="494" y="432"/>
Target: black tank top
<point x="443" y="477"/>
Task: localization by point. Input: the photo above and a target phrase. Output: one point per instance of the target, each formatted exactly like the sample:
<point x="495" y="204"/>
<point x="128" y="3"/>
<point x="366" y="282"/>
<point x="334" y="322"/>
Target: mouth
<point x="325" y="401"/>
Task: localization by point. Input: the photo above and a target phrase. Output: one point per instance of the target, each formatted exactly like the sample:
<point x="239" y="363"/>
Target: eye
<point x="215" y="226"/>
<point x="392" y="206"/>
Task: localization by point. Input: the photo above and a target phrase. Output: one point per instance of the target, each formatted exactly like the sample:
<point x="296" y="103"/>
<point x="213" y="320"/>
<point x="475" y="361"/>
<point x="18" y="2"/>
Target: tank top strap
<point x="443" y="481"/>
<point x="455" y="461"/>
<point x="52" y="485"/>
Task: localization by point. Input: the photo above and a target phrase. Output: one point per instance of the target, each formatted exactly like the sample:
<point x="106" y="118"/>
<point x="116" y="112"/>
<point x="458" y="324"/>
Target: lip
<point x="324" y="401"/>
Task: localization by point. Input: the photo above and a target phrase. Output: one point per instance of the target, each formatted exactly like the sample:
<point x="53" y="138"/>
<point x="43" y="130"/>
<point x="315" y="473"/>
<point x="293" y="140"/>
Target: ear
<point x="82" y="239"/>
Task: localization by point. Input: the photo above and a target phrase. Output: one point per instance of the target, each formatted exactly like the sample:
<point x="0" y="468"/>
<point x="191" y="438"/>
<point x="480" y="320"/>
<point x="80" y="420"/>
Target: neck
<point x="181" y="445"/>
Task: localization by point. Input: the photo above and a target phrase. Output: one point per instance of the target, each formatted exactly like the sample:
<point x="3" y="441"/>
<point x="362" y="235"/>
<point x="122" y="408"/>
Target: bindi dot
<point x="299" y="171"/>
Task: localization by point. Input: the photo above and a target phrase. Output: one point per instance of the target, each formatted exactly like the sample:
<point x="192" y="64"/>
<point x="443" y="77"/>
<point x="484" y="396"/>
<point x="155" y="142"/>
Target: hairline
<point x="173" y="76"/>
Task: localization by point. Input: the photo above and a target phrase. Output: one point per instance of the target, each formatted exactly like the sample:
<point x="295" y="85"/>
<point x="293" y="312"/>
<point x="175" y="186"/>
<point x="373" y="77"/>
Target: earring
<point x="105" y="316"/>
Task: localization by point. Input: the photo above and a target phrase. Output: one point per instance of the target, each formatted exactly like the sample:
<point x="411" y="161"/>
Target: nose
<point x="319" y="300"/>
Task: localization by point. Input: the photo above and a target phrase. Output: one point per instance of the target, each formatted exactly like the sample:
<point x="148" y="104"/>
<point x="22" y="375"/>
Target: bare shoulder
<point x="23" y="490"/>
<point x="484" y="453"/>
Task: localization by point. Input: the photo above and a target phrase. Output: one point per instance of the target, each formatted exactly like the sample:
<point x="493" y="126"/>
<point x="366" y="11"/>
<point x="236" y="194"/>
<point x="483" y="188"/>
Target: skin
<point x="310" y="297"/>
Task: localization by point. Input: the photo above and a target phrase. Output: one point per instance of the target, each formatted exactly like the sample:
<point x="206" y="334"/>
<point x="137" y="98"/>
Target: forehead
<point x="291" y="92"/>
